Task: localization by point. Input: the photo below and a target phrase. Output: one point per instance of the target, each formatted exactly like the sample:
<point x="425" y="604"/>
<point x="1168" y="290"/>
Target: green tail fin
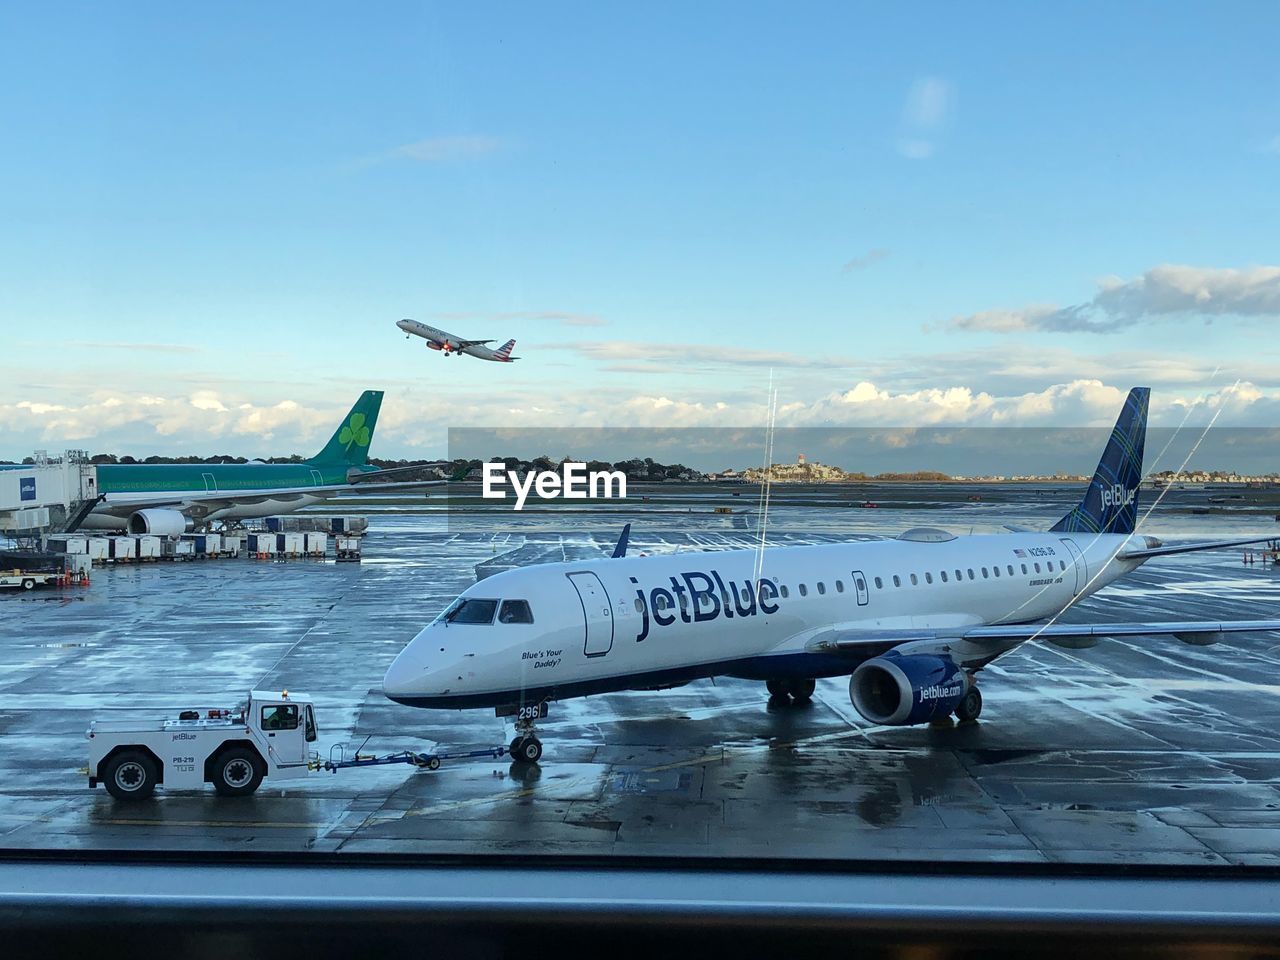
<point x="350" y="442"/>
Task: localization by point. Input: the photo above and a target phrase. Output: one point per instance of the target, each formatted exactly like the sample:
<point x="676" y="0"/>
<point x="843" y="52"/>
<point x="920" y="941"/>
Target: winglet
<point x="621" y="549"/>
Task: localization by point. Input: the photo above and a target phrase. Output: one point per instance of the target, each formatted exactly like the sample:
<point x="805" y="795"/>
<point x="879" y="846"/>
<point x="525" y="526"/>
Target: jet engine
<point x="160" y="522"/>
<point x="897" y="690"/>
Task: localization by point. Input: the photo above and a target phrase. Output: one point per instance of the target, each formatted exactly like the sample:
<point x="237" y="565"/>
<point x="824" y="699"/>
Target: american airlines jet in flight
<point x="448" y="343"/>
<point x="912" y="621"/>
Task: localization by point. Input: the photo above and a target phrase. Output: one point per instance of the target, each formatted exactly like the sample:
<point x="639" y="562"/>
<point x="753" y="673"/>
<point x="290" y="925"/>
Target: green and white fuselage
<point x="168" y="499"/>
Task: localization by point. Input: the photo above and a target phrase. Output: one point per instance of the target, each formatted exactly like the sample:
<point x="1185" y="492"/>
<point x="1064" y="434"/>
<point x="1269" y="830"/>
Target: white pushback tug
<point x="234" y="749"/>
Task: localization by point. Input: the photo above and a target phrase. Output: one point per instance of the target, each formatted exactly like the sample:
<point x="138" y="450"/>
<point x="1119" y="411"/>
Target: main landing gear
<point x="798" y="690"/>
<point x="970" y="706"/>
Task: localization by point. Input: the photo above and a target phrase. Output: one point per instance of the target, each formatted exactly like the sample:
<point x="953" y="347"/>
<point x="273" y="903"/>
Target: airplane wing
<point x="472" y="343"/>
<point x="980" y="644"/>
<point x="199" y="505"/>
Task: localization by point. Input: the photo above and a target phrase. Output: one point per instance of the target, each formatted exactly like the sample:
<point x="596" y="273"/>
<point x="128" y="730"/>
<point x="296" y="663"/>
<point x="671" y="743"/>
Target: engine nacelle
<point x="160" y="522"/>
<point x="896" y="690"/>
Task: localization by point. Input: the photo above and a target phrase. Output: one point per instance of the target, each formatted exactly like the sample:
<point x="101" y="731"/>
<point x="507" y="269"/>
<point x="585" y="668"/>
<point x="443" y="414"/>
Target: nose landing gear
<point x="525" y="746"/>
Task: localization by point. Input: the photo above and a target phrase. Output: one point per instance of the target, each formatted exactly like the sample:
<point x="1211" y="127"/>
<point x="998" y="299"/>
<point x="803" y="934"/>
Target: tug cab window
<point x="471" y="610"/>
<point x="310" y="716"/>
<point x="280" y="716"/>
<point x="515" y="611"/>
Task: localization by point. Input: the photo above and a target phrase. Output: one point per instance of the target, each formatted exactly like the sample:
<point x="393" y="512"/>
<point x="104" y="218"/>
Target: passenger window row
<point x="945" y="576"/>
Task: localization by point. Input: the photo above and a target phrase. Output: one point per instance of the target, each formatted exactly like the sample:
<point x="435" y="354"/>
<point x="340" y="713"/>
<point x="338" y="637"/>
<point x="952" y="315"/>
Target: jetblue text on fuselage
<point x="697" y="597"/>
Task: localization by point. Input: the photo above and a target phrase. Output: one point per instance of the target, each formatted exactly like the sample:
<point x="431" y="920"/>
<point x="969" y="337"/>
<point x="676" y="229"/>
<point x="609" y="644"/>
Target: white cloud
<point x="865" y="260"/>
<point x="927" y="102"/>
<point x="657" y="357"/>
<point x="1169" y="291"/>
<point x="1006" y="321"/>
<point x="926" y="111"/>
<point x="133" y="423"/>
<point x="416" y="423"/>
<point x="447" y="148"/>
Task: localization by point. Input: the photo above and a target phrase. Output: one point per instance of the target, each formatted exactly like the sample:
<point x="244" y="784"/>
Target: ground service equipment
<point x="234" y="749"/>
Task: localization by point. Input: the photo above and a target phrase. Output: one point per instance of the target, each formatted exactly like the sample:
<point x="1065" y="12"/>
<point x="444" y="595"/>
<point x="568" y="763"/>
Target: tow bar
<point x="428" y="761"/>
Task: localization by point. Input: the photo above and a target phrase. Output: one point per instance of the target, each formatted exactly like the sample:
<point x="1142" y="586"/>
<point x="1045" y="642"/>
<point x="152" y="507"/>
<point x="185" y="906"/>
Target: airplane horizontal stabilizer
<point x="1147" y="553"/>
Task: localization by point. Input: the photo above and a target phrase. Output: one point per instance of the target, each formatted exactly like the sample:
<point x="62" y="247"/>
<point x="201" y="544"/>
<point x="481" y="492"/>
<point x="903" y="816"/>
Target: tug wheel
<point x="237" y="772"/>
<point x="130" y="775"/>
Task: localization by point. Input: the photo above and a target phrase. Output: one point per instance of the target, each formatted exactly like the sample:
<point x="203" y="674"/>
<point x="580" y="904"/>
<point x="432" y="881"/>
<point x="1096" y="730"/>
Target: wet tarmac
<point x="1135" y="751"/>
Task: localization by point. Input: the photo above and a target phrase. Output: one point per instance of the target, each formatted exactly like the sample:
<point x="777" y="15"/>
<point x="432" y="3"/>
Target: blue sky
<point x="213" y="218"/>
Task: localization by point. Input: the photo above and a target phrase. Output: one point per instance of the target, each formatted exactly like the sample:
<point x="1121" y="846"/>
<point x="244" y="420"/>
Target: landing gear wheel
<point x="970" y="706"/>
<point x="802" y="690"/>
<point x="237" y="772"/>
<point x="776" y="688"/>
<point x="528" y="750"/>
<point x="514" y="748"/>
<point x="130" y="775"/>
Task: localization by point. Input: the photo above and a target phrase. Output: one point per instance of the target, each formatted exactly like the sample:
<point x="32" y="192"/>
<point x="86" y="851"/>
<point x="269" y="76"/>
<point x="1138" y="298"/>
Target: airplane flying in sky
<point x="172" y="498"/>
<point x="911" y="620"/>
<point x="448" y="343"/>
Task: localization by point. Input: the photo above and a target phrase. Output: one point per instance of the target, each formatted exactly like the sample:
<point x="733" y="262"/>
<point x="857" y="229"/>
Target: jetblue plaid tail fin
<point x="1110" y="505"/>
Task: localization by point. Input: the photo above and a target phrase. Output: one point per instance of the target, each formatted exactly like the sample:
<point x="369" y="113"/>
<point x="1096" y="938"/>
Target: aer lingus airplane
<point x="448" y="343"/>
<point x="172" y="498"/>
<point x="911" y="620"/>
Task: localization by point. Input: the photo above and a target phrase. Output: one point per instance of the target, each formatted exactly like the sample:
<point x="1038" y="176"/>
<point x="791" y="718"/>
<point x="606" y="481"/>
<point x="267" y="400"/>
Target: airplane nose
<point x="404" y="676"/>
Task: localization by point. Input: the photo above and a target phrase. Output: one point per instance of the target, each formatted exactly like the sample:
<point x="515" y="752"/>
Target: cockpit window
<point x="515" y="611"/>
<point x="471" y="610"/>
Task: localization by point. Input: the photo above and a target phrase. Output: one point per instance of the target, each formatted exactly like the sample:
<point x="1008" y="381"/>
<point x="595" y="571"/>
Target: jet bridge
<point x="46" y="495"/>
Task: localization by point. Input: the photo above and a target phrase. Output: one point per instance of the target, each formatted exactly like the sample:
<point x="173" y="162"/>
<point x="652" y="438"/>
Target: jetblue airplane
<point x="911" y="621"/>
<point x="448" y="343"/>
